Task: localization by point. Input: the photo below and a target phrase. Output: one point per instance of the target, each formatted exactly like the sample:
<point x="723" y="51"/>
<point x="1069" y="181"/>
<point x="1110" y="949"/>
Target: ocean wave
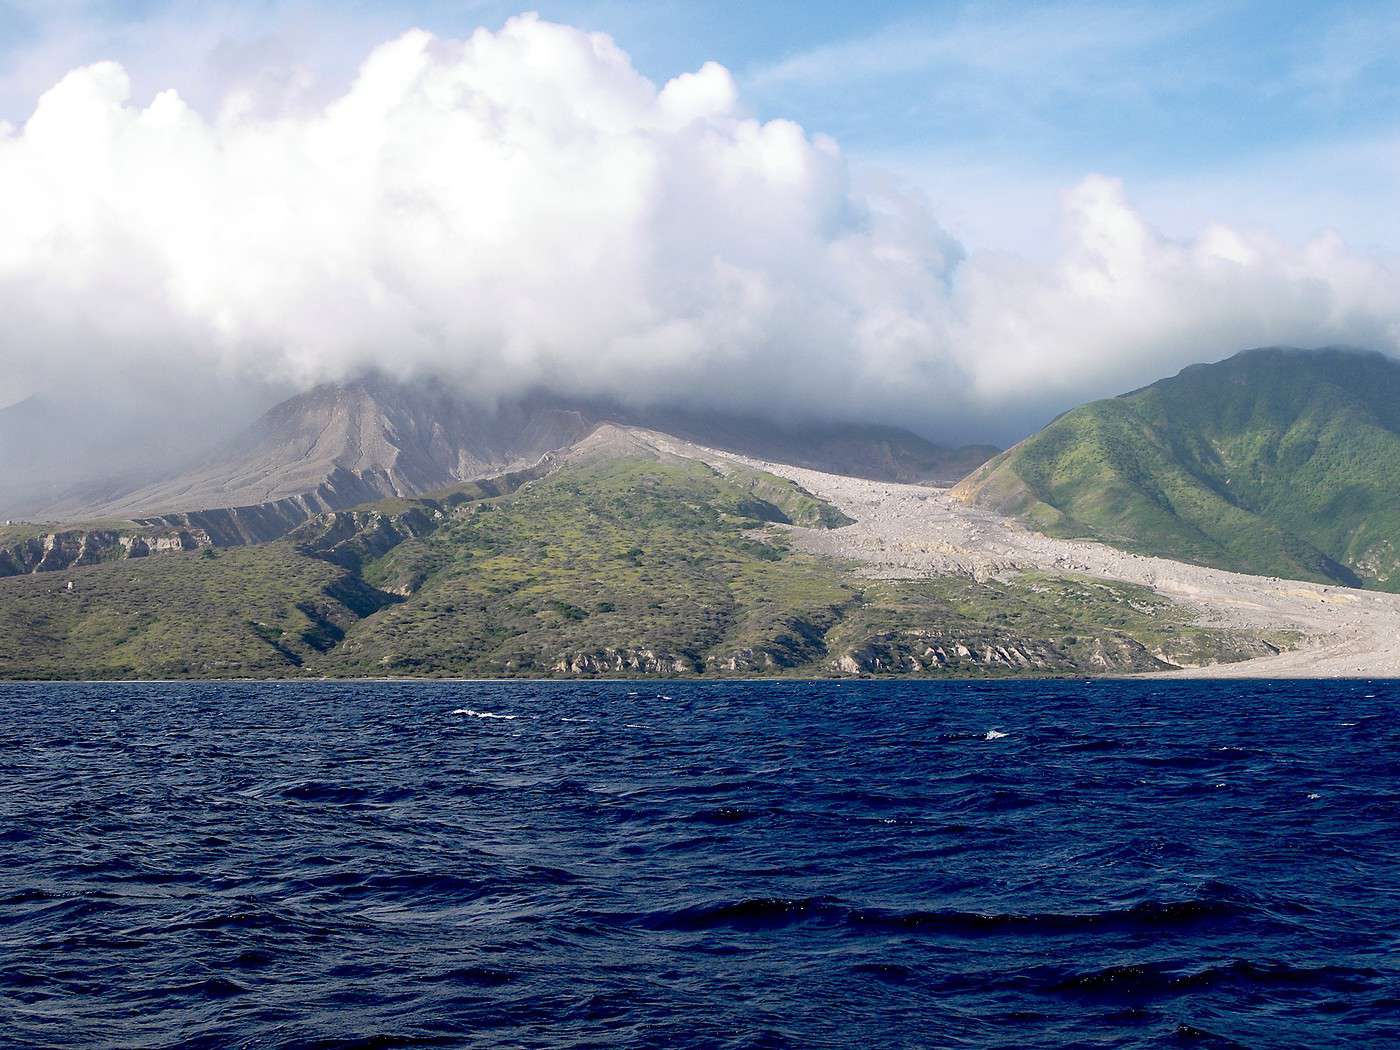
<point x="320" y="791"/>
<point x="475" y="976"/>
<point x="468" y="712"/>
<point x="1191" y="1035"/>
<point x="1157" y="977"/>
<point x="773" y="912"/>
<point x="725" y="815"/>
<point x="746" y="913"/>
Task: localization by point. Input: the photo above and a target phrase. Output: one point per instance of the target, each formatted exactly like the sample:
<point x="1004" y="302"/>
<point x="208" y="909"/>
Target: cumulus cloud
<point x="523" y="209"/>
<point x="1121" y="304"/>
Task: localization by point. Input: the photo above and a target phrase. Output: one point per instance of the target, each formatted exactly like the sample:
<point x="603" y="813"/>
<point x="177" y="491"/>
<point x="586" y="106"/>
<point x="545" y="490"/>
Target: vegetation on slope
<point x="1274" y="462"/>
<point x="251" y="611"/>
<point x="653" y="565"/>
<point x="1036" y="622"/>
<point x="621" y="566"/>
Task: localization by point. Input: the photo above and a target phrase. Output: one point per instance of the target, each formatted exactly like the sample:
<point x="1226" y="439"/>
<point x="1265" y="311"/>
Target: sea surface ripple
<point x="793" y="864"/>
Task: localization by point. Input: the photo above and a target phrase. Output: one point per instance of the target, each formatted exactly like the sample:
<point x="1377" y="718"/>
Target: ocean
<point x="681" y="864"/>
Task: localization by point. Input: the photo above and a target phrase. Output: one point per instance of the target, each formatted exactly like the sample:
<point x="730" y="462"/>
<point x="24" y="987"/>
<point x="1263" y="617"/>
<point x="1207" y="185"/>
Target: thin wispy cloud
<point x="1358" y="53"/>
<point x="1035" y="44"/>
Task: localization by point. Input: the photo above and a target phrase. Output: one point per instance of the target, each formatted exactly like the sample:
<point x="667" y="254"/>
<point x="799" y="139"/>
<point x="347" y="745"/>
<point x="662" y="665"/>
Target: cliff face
<point x="53" y="551"/>
<point x="344" y="537"/>
<point x="264" y="522"/>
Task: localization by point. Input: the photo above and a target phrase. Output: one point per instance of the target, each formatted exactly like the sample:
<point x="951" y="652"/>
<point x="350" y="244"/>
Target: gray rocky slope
<point x="341" y="445"/>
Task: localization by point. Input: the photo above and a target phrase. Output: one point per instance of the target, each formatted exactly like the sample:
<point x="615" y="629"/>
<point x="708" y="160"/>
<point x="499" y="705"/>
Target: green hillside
<point x="616" y="566"/>
<point x="246" y="612"/>
<point x="1274" y="462"/>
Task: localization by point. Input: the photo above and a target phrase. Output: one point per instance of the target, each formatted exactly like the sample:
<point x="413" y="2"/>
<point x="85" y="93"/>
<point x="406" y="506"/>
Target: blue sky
<point x="1279" y="116"/>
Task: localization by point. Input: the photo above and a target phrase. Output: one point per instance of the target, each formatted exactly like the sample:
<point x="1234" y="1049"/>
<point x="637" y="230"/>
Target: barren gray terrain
<point x="912" y="531"/>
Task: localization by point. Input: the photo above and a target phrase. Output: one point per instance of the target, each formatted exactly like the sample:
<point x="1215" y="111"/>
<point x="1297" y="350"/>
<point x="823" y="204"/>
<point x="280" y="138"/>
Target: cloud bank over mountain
<point x="523" y="209"/>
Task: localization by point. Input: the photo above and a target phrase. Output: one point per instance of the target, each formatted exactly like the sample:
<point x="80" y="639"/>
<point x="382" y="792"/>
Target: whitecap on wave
<point x="481" y="714"/>
<point x="993" y="734"/>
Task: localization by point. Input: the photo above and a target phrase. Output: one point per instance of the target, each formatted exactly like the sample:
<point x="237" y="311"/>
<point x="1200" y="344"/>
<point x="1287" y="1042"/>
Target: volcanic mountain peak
<point x="338" y="445"/>
<point x="341" y="444"/>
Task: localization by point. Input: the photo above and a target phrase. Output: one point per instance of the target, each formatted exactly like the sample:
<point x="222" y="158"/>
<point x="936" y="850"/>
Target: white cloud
<point x="524" y="209"/>
<point x="1123" y="304"/>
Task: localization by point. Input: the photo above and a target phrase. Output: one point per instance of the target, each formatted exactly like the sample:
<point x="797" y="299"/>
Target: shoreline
<point x="1192" y="674"/>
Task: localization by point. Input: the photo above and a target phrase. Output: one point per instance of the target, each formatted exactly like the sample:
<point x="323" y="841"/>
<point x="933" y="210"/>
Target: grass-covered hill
<point x="1275" y="462"/>
<point x="618" y="564"/>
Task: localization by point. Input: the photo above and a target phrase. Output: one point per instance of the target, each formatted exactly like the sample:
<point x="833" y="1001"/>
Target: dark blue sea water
<point x="729" y="865"/>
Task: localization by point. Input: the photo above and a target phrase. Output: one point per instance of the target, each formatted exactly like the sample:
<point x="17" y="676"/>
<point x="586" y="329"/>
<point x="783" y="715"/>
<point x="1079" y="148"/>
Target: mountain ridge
<point x="1276" y="461"/>
<point x="339" y="445"/>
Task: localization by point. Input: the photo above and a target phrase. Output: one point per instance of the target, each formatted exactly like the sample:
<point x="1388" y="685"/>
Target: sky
<point x="961" y="217"/>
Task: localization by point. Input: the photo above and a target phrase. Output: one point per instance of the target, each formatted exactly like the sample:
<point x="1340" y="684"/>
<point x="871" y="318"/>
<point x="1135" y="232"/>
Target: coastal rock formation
<point x="618" y="661"/>
<point x="917" y="651"/>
